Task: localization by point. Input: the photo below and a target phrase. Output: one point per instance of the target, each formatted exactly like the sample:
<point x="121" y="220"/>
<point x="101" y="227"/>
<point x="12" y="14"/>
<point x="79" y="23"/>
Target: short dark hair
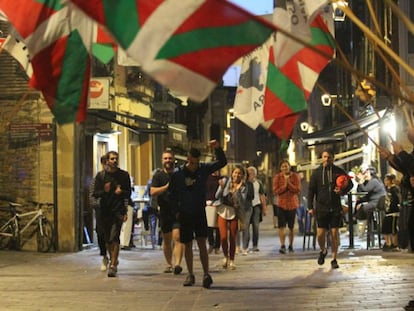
<point x="194" y="152"/>
<point x="104" y="158"/>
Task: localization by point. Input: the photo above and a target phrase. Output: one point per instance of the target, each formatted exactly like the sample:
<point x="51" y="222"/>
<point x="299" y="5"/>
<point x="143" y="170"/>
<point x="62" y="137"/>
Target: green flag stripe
<point x="249" y="33"/>
<point x="319" y="37"/>
<point x="124" y="29"/>
<point x="292" y="96"/>
<point x="70" y="85"/>
<point x="53" y="4"/>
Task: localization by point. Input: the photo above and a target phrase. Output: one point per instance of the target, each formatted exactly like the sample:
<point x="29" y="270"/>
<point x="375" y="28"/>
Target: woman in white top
<point x="232" y="192"/>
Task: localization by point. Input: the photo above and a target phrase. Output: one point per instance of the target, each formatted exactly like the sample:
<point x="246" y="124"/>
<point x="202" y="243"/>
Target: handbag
<point x="211" y="214"/>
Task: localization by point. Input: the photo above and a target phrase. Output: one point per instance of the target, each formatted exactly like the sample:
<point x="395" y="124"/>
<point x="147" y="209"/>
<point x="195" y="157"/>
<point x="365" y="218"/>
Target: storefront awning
<point x="343" y="131"/>
<point x="340" y="159"/>
<point x="145" y="125"/>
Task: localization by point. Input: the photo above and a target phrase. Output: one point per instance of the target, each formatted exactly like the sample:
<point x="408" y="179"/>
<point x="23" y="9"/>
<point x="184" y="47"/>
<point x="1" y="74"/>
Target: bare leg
<point x="282" y="235"/>
<point x="202" y="246"/>
<point x="334" y="242"/>
<point x="167" y="247"/>
<point x="189" y="256"/>
<point x="291" y="235"/>
<point x="321" y="233"/>
<point x="178" y="247"/>
<point x="115" y="254"/>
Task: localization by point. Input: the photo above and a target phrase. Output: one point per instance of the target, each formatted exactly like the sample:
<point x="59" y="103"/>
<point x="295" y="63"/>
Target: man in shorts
<point x="327" y="195"/>
<point x="114" y="190"/>
<point x="169" y="227"/>
<point x="188" y="195"/>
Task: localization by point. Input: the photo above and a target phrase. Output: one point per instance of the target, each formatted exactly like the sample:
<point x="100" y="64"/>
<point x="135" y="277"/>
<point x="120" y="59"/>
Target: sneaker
<point x="112" y="272"/>
<point x="225" y="262"/>
<point x="290" y="248"/>
<point x="334" y="264"/>
<point x="237" y="250"/>
<point x="189" y="280"/>
<point x="168" y="269"/>
<point x="244" y="253"/>
<point x="104" y="265"/>
<point x="255" y="249"/>
<point x="282" y="250"/>
<point x="207" y="281"/>
<point x="322" y="255"/>
<point x="386" y="248"/>
<point x="177" y="270"/>
<point x="232" y="266"/>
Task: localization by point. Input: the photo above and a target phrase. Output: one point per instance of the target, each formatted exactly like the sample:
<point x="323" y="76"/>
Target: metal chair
<point x="374" y="223"/>
<point x="310" y="231"/>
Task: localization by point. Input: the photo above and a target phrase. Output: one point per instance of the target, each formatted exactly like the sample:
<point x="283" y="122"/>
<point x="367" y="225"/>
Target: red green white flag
<point x="56" y="39"/>
<point x="292" y="69"/>
<point x="186" y="45"/>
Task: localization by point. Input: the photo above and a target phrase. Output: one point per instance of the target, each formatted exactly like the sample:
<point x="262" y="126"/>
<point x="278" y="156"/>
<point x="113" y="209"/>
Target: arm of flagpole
<point x="396" y="10"/>
<point x="368" y="33"/>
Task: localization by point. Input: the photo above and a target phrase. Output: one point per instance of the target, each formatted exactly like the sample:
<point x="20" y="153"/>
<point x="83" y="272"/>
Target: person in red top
<point x="286" y="186"/>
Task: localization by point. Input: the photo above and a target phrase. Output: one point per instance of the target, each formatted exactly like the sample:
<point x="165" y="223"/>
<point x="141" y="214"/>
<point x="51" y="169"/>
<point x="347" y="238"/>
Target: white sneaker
<point x="244" y="253"/>
<point x="225" y="262"/>
<point x="104" y="265"/>
<point x="232" y="266"/>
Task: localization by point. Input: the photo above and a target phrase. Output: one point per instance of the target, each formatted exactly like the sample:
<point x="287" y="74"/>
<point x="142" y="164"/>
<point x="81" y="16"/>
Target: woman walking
<point x="286" y="186"/>
<point x="233" y="194"/>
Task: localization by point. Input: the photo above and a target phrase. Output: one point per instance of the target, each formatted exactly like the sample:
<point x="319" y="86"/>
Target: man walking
<point x="95" y="203"/>
<point x="114" y="190"/>
<point x="188" y="195"/>
<point x="328" y="208"/>
<point x="169" y="227"/>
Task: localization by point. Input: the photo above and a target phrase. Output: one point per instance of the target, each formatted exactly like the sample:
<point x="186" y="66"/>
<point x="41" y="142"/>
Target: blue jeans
<point x="255" y="221"/>
<point x="301" y="212"/>
<point x="245" y="230"/>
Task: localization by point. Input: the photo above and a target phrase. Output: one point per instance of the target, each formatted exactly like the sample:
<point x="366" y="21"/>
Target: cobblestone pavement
<point x="266" y="280"/>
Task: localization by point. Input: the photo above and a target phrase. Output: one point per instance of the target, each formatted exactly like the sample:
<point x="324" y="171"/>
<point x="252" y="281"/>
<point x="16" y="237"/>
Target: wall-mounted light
<point x="326" y="100"/>
<point x="338" y="14"/>
<point x="304" y="126"/>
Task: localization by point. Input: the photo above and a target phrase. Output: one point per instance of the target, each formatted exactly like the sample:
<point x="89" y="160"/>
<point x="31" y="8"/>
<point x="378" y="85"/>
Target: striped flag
<point x="292" y="68"/>
<point x="186" y="45"/>
<point x="17" y="49"/>
<point x="56" y="39"/>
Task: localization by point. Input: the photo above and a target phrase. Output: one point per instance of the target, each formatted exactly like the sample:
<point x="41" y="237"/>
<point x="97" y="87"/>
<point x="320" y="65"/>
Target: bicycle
<point x="11" y="233"/>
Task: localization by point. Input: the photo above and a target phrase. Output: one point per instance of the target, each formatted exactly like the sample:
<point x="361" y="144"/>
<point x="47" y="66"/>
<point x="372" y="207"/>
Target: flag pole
<point x="387" y="61"/>
<point x="346" y="65"/>
<point x="397" y="11"/>
<point x="13" y="112"/>
<point x="355" y="122"/>
<point x="368" y="33"/>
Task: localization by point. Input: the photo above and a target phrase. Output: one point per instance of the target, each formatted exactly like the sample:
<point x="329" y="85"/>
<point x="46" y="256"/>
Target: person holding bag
<point x="232" y="193"/>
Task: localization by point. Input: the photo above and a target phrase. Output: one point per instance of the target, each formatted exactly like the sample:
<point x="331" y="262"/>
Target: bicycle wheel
<point x="5" y="240"/>
<point x="13" y="241"/>
<point x="44" y="236"/>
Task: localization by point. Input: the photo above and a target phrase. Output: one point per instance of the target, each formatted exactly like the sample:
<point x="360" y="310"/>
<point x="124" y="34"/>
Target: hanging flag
<point x="56" y="39"/>
<point x="185" y="45"/>
<point x="103" y="46"/>
<point x="250" y="100"/>
<point x="18" y="50"/>
<point x="292" y="69"/>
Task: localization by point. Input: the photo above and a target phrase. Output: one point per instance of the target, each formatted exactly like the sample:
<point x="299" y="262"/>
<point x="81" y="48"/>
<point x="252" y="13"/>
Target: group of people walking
<point x="182" y="194"/>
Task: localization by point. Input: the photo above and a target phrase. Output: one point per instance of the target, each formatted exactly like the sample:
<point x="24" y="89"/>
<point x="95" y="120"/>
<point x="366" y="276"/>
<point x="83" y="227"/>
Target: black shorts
<point x="329" y="219"/>
<point x="390" y="225"/>
<point x="168" y="221"/>
<point x="112" y="225"/>
<point x="286" y="217"/>
<point x="192" y="226"/>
